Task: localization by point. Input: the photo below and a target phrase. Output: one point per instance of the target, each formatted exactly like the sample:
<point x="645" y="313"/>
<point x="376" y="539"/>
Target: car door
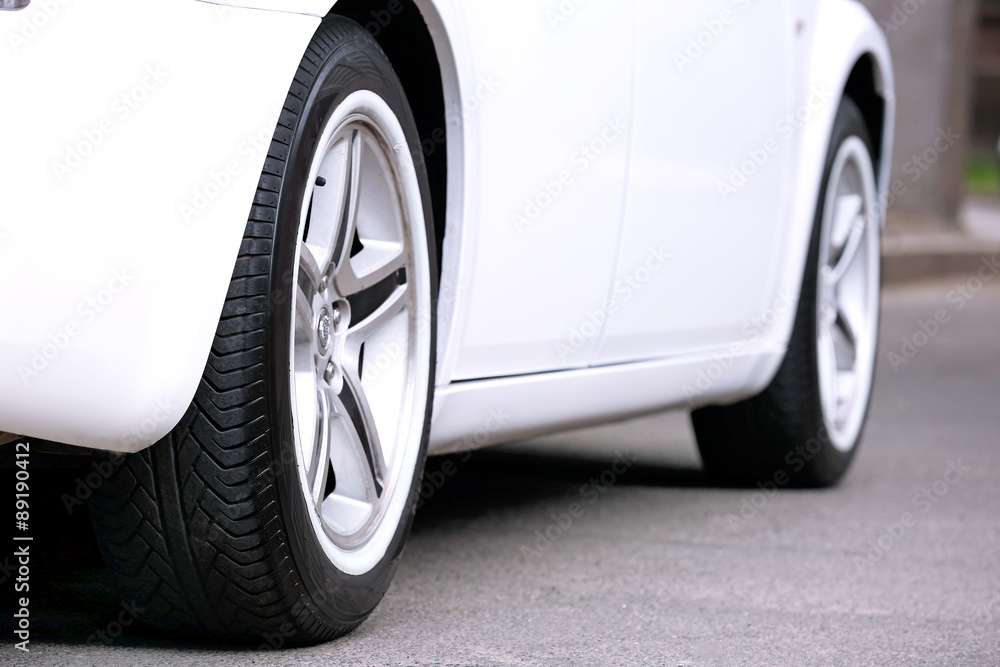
<point x="708" y="189"/>
<point x="548" y="121"/>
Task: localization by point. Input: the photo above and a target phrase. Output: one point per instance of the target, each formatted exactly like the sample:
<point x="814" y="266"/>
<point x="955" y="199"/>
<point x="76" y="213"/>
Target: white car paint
<point x="524" y="89"/>
<point x="159" y="123"/>
<point x="834" y="35"/>
<point x="694" y="125"/>
<point x="550" y="182"/>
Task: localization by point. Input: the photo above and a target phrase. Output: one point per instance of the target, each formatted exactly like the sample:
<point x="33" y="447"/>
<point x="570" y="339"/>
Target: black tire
<point x="779" y="435"/>
<point x="204" y="532"/>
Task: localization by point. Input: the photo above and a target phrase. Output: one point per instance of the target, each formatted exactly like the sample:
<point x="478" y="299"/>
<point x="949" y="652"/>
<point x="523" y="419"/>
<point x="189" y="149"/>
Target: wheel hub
<point x="324" y="332"/>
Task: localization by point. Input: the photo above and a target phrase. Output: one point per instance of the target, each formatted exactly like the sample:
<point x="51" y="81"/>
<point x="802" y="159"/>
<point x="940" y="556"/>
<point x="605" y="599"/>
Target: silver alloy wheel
<point x="360" y="352"/>
<point x="847" y="301"/>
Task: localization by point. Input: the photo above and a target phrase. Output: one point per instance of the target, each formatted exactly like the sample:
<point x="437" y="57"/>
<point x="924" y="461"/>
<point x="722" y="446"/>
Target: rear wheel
<point x="804" y="428"/>
<point x="277" y="509"/>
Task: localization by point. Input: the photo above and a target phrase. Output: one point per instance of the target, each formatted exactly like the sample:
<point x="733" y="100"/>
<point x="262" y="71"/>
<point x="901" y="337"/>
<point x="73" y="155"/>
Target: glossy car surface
<point x="571" y="171"/>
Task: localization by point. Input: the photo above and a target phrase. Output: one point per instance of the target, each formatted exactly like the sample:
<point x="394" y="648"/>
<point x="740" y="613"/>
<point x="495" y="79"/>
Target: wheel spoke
<point x="377" y="262"/>
<point x="305" y="348"/>
<point x="847" y="327"/>
<point x="367" y="302"/>
<point x="306" y="406"/>
<point x="347" y="221"/>
<point x="848" y="255"/>
<point x="353" y="399"/>
<point x="846" y="386"/>
<point x="826" y="353"/>
<point x="347" y="455"/>
<point x="395" y="301"/>
<point x="310" y="277"/>
<point x="331" y="201"/>
<point x="307" y="287"/>
<point x="319" y="465"/>
<point x="345" y="514"/>
<point x="846" y="217"/>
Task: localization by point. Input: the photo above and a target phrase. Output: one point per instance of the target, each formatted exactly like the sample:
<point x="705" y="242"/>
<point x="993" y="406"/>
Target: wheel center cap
<point x="325" y="330"/>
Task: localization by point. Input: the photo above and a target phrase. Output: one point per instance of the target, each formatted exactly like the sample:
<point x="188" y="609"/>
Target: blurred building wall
<point x="931" y="48"/>
<point x="986" y="96"/>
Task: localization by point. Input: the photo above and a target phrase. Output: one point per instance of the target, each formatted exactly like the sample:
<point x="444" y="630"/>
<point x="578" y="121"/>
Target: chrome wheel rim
<point x="848" y="293"/>
<point x="360" y="350"/>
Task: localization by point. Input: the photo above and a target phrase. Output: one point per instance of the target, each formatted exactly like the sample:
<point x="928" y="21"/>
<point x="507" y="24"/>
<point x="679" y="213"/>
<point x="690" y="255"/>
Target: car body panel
<point x="110" y="301"/>
<point x="835" y="34"/>
<point x="124" y="379"/>
<point x="317" y="8"/>
<point x="545" y="224"/>
<point x="693" y="129"/>
<point x="472" y="415"/>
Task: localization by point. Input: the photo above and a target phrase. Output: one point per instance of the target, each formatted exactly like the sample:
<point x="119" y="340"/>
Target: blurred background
<point x="947" y="60"/>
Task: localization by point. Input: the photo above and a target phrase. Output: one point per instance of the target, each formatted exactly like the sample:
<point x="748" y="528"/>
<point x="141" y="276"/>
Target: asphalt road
<point x="899" y="565"/>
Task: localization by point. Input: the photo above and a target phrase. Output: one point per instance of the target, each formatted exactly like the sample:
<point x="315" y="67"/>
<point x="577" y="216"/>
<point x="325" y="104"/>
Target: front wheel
<point x="276" y="511"/>
<point x="804" y="428"/>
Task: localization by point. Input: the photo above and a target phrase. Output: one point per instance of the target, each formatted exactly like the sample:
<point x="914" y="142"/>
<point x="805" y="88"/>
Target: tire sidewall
<point x="354" y="64"/>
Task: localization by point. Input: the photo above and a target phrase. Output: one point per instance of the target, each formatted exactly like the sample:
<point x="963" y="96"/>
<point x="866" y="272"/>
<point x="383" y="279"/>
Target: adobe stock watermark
<point x="589" y="494"/>
<point x="562" y="12"/>
<point x="625" y="289"/>
<point x="218" y="180"/>
<point x="901" y="13"/>
<point x="485" y="88"/>
<point x="122" y="107"/>
<point x="928" y="329"/>
<point x="382" y="18"/>
<point x="100" y="471"/>
<point x="224" y="7"/>
<point x="752" y="330"/>
<point x="113" y="631"/>
<point x="923" y="502"/>
<point x="378" y="360"/>
<point x="915" y="167"/>
<point x="698" y="44"/>
<point x="88" y="311"/>
<point x="793" y="121"/>
<point x="435" y="480"/>
<point x="580" y="162"/>
<point x="322" y="594"/>
<point x="35" y="18"/>
<point x="753" y="503"/>
<point x="992" y="610"/>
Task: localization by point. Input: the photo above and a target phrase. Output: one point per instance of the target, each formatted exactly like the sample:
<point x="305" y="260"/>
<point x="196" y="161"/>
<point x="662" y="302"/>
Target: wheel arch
<point x="864" y="87"/>
<point x="423" y="44"/>
<point x="848" y="56"/>
<point x="407" y="41"/>
<point x="437" y="76"/>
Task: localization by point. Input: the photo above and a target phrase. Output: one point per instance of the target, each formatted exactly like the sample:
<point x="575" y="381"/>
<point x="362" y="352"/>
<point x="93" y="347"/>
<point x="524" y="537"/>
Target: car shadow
<point x="467" y="486"/>
<point x="74" y="602"/>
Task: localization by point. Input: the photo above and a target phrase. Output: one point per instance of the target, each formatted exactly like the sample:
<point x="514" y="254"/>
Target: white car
<point x="454" y="223"/>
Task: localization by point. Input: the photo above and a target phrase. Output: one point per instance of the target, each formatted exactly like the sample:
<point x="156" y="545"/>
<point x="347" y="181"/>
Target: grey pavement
<point x="899" y="565"/>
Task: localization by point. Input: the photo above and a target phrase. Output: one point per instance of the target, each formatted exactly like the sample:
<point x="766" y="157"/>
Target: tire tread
<point x="189" y="526"/>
